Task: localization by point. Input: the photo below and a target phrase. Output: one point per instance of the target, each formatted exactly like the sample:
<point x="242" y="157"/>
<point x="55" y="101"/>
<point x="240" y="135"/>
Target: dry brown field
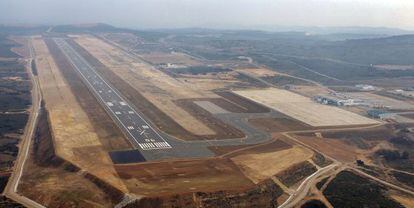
<point x="167" y="178"/>
<point x="258" y="72"/>
<point x="232" y="151"/>
<point x="53" y="182"/>
<point x="260" y="166"/>
<point x="336" y="149"/>
<point x="310" y="91"/>
<point x="211" y="81"/>
<point x="173" y="58"/>
<point x="279" y="124"/>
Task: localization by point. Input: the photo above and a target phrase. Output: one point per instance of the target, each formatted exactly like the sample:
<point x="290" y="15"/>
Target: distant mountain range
<point x="327" y="33"/>
<point x="309" y="30"/>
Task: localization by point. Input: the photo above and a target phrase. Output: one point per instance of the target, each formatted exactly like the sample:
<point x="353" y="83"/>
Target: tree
<point x="360" y="163"/>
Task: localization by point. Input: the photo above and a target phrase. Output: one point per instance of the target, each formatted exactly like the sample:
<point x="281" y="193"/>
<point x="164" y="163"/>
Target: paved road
<point x="305" y="186"/>
<point x="138" y="130"/>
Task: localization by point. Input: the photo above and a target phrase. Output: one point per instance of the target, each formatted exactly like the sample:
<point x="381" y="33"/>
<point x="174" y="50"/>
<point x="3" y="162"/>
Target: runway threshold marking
<point x="154" y="146"/>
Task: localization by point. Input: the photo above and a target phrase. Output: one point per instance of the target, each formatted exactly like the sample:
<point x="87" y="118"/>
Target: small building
<point x="336" y="101"/>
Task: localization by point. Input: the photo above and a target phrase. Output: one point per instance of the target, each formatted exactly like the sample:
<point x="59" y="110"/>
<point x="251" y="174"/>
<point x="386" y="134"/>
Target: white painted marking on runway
<point x="70" y="53"/>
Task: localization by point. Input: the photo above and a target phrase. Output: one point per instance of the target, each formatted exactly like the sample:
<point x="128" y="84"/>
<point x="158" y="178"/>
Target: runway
<point x="151" y="143"/>
<point x="140" y="133"/>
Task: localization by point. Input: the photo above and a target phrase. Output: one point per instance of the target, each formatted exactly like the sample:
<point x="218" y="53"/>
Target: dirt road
<point x="11" y="189"/>
<point x="382" y="181"/>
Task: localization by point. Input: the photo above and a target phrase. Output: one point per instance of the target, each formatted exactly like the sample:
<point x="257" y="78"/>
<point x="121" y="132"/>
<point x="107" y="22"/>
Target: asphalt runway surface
<point x="138" y="130"/>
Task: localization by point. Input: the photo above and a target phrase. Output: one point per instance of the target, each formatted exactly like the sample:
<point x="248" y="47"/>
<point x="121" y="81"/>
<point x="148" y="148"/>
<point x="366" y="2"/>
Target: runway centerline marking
<point x="113" y="102"/>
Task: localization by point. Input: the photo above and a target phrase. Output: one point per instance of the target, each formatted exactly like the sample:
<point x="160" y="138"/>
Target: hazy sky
<point x="211" y="13"/>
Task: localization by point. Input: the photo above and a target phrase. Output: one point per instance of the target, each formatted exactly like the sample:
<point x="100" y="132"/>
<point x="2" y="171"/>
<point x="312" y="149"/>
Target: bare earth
<point x="304" y="109"/>
<point x="260" y="166"/>
<point x="379" y="100"/>
<point x="407" y="201"/>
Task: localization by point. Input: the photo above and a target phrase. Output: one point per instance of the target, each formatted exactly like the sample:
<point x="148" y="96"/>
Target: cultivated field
<point x="304" y="109"/>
